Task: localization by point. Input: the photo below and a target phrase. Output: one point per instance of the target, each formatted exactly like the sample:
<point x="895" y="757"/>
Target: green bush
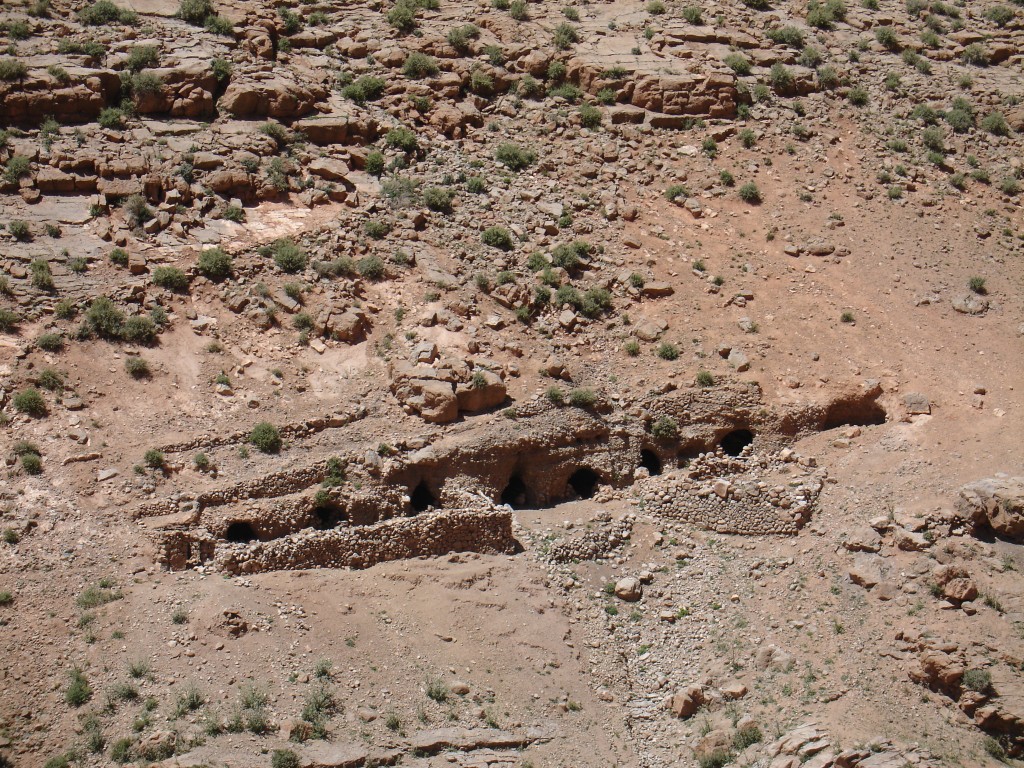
<point x="154" y="459"/>
<point x="31" y="403"/>
<point x="266" y="437"/>
<point x="705" y="379"/>
<point x="171" y="278"/>
<point x="667" y="351"/>
<point x="111" y="118"/>
<point x="136" y="367"/>
<point x="590" y="116"/>
<point x="828" y="77"/>
<point x="665" y="428"/>
<point x="371" y="267"/>
<point x="738" y="63"/>
<point x="104" y="319"/>
<point x="12" y="69"/>
<point x="514" y="157"/>
<point x="377" y="228"/>
<point x="749" y="193"/>
<point x="288" y="256"/>
<point x="32" y="463"/>
<point x="781" y="78"/>
<point x="17" y="166"/>
<point x="20" y="230"/>
<point x="403" y="139"/>
<point x="195" y="11"/>
<point x="497" y="237"/>
<point x="284" y="758"/>
<point x="219" y="25"/>
<point x="139" y="329"/>
<point x="975" y="55"/>
<point x="418" y="65"/>
<point x="375" y="163"/>
<point x="519" y="10"/>
<point x="582" y="398"/>
<point x="977" y="285"/>
<point x="438" y="199"/>
<point x="366" y="88"/>
<point x="790" y="36"/>
<point x="459" y="37"/>
<point x="50" y="379"/>
<point x="137" y="210"/>
<point x="105" y="12"/>
<point x="858" y="96"/>
<point x="78" y="691"/>
<point x="1000" y="15"/>
<point x="50" y="342"/>
<point x="995" y="123"/>
<point x="214" y="264"/>
<point x="565" y="36"/>
<point x="978" y="680"/>
<point x="403" y="15"/>
<point x="142" y="57"/>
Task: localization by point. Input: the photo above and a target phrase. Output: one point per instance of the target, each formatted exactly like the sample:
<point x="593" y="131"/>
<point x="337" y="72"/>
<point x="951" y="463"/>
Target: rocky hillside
<point x="511" y="383"/>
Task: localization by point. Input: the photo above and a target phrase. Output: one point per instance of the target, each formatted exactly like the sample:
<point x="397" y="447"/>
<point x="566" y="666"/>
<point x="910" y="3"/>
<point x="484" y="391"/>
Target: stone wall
<point x="432" y="534"/>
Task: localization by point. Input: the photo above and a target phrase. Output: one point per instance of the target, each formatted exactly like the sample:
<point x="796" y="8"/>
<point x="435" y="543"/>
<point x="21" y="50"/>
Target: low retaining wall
<point x="431" y="534"/>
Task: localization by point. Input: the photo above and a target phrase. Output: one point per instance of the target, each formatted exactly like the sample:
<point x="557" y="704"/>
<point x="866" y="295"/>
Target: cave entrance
<point x="329" y="515"/>
<point x="515" y="493"/>
<point x="734" y="443"/>
<point x="240" y="532"/>
<point x="857" y="413"/>
<point x="422" y="498"/>
<point x="650" y="461"/>
<point x="584" y="482"/>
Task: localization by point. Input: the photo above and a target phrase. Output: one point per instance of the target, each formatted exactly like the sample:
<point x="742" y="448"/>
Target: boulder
<point x="487" y="391"/>
<point x="629" y="589"/>
<point x="686" y="702"/>
<point x="277" y="96"/>
<point x="996" y="503"/>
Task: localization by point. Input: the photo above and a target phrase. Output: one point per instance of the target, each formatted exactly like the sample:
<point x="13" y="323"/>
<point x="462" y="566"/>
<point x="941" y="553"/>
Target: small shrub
<point x="419" y="65"/>
<point x="705" y="379"/>
<point x="195" y="11"/>
<point x="265" y="437"/>
<point x="977" y="285"/>
<point x="497" y="237"/>
<point x="371" y="267"/>
<point x="51" y="380"/>
<point x="438" y="199"/>
<point x="50" y="342"/>
<point x="17" y="166"/>
<point x="846" y="317"/>
<point x="519" y="10"/>
<point x="214" y="264"/>
<point x="139" y="329"/>
<point x="995" y="123"/>
<point x="136" y="367"/>
<point x="749" y="193"/>
<point x="402" y="139"/>
<point x="32" y="463"/>
<point x="790" y="36"/>
<point x="366" y="88"/>
<point x="142" y="57"/>
<point x="20" y="230"/>
<point x="375" y="163"/>
<point x="858" y="96"/>
<point x="582" y="398"/>
<point x="514" y="157"/>
<point x="665" y="428"/>
<point x="738" y="63"/>
<point x="12" y="69"/>
<point x="667" y="351"/>
<point x="692" y="15"/>
<point x="31" y="403"/>
<point x="887" y="38"/>
<point x="171" y="278"/>
<point x="284" y="758"/>
<point x="288" y="256"/>
<point x="78" y="691"/>
<point x="632" y="347"/>
<point x="781" y="78"/>
<point x="565" y="36"/>
<point x="555" y="395"/>
<point x="978" y="680"/>
<point x="377" y="228"/>
<point x="975" y="55"/>
<point x="8" y="320"/>
<point x="154" y="459"/>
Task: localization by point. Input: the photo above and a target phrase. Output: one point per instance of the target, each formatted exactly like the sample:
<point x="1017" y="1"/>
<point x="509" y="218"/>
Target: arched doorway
<point x="650" y="461"/>
<point x="422" y="498"/>
<point x="240" y="532"/>
<point x="734" y="442"/>
<point x="515" y="493"/>
<point x="584" y="482"/>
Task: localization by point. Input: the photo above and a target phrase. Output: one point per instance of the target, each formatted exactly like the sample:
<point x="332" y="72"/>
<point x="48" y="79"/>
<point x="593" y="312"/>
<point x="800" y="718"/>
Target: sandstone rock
<point x="487" y="391"/>
<point x="970" y="304"/>
<point x="629" y="589"/>
<point x="996" y="503"/>
<point x="686" y="702"/>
